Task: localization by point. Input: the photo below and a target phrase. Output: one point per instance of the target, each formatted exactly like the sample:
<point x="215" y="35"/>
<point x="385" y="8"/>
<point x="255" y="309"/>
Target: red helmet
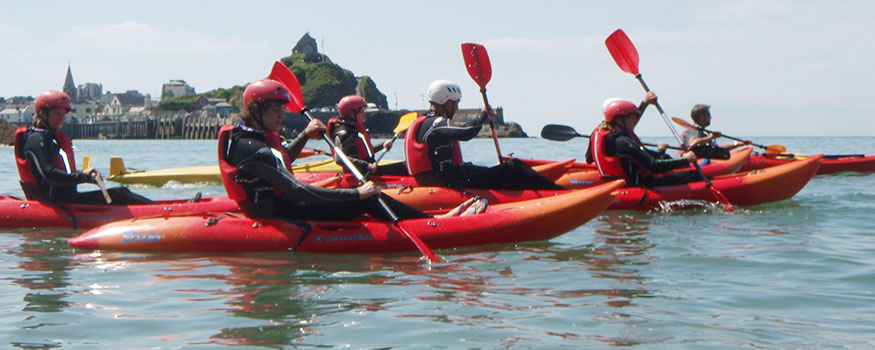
<point x="350" y="103"/>
<point x="265" y="90"/>
<point x="617" y="107"/>
<point x="50" y="99"/>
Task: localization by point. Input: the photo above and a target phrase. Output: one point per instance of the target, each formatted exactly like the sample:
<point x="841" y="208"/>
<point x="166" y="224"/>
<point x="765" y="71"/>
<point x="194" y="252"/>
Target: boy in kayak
<point x="349" y="133"/>
<point x="46" y="162"/>
<point x="432" y="150"/>
<point x="256" y="168"/>
<point x="701" y="115"/>
<point x="618" y="152"/>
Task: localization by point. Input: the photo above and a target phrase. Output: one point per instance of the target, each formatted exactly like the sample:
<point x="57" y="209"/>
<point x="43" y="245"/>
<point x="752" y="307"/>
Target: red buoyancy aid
<point x="365" y="151"/>
<point x="229" y="172"/>
<point x="416" y="153"/>
<point x="609" y="165"/>
<point x="64" y="159"/>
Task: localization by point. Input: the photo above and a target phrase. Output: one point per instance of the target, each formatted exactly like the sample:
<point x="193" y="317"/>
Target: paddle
<point x="770" y="149"/>
<point x="403" y="125"/>
<point x="86" y="161"/>
<point x="556" y="132"/>
<point x="480" y="69"/>
<point x="282" y="74"/>
<point x="626" y="56"/>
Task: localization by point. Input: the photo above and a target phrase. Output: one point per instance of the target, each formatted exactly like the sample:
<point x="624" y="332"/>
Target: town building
<point x="176" y="88"/>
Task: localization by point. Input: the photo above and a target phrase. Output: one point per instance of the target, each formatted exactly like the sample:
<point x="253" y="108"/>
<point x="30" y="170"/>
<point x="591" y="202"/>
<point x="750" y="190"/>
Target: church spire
<point x="69" y="86"/>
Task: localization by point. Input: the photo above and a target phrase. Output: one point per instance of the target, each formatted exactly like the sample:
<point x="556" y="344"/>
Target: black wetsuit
<point x="439" y="132"/>
<point x="346" y="137"/>
<point x="260" y="172"/>
<point x="57" y="185"/>
<point x="634" y="157"/>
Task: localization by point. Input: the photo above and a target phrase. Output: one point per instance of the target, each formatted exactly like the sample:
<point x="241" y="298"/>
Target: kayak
<point x="531" y="220"/>
<point x="589" y="176"/>
<point x="16" y="212"/>
<point x="742" y="189"/>
<point x="323" y="169"/>
<point x="831" y="163"/>
<point x="202" y="174"/>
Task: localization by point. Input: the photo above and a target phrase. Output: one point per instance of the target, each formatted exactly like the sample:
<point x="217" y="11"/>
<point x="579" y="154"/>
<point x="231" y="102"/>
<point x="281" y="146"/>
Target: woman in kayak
<point x="617" y="151"/>
<point x="46" y="162"/>
<point x="432" y="150"/>
<point x="349" y="133"/>
<point x="256" y="168"/>
<point x="701" y="115"/>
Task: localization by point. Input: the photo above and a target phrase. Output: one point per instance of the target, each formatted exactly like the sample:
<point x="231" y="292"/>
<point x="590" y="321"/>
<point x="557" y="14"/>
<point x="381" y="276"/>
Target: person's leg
<point x="513" y="174"/>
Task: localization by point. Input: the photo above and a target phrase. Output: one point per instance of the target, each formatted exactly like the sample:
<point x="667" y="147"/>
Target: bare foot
<point x="478" y="207"/>
<point x="459" y="209"/>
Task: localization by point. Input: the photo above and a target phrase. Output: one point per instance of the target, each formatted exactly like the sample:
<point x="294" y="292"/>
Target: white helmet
<point x="441" y="91"/>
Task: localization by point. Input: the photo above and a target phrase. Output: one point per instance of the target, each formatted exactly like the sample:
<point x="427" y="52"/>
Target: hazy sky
<point x="782" y="68"/>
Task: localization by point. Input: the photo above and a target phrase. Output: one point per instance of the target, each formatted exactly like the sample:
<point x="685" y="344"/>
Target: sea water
<point x="796" y="274"/>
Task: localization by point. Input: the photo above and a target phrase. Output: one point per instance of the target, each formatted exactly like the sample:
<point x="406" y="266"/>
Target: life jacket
<point x="416" y="153"/>
<point x="362" y="142"/>
<point x="64" y="159"/>
<point x="229" y="172"/>
<point x="611" y="165"/>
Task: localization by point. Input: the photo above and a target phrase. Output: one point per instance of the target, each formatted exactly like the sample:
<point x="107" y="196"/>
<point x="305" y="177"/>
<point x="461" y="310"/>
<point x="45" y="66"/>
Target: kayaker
<point x="256" y="168"/>
<point x="47" y="165"/>
<point x="701" y="115"/>
<point x="349" y="132"/>
<point x="432" y="150"/>
<point x="618" y="152"/>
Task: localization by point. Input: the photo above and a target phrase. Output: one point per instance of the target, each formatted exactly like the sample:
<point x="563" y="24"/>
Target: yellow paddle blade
<point x="86" y="161"/>
<point x="775" y="149"/>
<point x="404" y="122"/>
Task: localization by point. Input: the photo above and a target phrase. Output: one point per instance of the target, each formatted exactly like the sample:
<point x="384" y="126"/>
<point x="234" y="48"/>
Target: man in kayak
<point x="618" y="152"/>
<point x="701" y="115"/>
<point x="46" y="162"/>
<point x="349" y="133"/>
<point x="256" y="168"/>
<point x="432" y="150"/>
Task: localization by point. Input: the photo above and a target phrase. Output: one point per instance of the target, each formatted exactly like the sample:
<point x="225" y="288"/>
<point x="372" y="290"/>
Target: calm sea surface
<point x="798" y="274"/>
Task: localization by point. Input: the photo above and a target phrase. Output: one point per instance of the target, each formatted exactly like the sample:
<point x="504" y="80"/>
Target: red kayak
<point x="532" y="220"/>
<point x="831" y="163"/>
<point x="751" y="188"/>
<point x="586" y="177"/>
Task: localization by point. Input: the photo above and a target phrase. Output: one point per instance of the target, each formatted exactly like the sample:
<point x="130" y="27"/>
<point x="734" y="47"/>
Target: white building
<point x="17" y="116"/>
<point x="176" y="88"/>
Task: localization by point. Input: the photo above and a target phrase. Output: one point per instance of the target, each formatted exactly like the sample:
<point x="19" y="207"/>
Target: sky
<point x="767" y="68"/>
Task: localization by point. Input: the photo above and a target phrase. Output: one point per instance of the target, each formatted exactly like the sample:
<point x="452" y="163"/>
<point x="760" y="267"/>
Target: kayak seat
<point x="31" y="192"/>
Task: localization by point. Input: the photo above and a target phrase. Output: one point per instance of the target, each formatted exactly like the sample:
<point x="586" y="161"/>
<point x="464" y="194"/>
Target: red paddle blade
<point x="722" y="199"/>
<point x="282" y="74"/>
<point x="623" y="51"/>
<point x="477" y="62"/>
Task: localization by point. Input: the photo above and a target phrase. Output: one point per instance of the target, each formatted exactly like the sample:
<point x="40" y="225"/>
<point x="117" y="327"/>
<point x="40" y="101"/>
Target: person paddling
<point x="349" y="133"/>
<point x="47" y="165"/>
<point x="701" y="115"/>
<point x="256" y="168"/>
<point x="618" y="152"/>
<point x="432" y="150"/>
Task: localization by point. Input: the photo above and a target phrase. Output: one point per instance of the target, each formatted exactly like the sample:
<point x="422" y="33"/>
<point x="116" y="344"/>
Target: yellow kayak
<point x="202" y="174"/>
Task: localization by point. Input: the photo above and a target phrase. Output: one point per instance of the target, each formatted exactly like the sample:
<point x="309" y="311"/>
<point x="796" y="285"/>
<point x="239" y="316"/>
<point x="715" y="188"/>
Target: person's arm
<point x="263" y="166"/>
<point x="443" y="130"/>
<point x="313" y="130"/>
<point x="44" y="167"/>
<point x="628" y="149"/>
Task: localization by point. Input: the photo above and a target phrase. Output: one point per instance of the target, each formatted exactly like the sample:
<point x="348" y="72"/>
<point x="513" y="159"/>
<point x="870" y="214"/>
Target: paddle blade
<point x="404" y="122"/>
<point x="682" y="123"/>
<point x="558" y="132"/>
<point x="477" y="63"/>
<point x="282" y="74"/>
<point x="774" y="150"/>
<point x="623" y="51"/>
